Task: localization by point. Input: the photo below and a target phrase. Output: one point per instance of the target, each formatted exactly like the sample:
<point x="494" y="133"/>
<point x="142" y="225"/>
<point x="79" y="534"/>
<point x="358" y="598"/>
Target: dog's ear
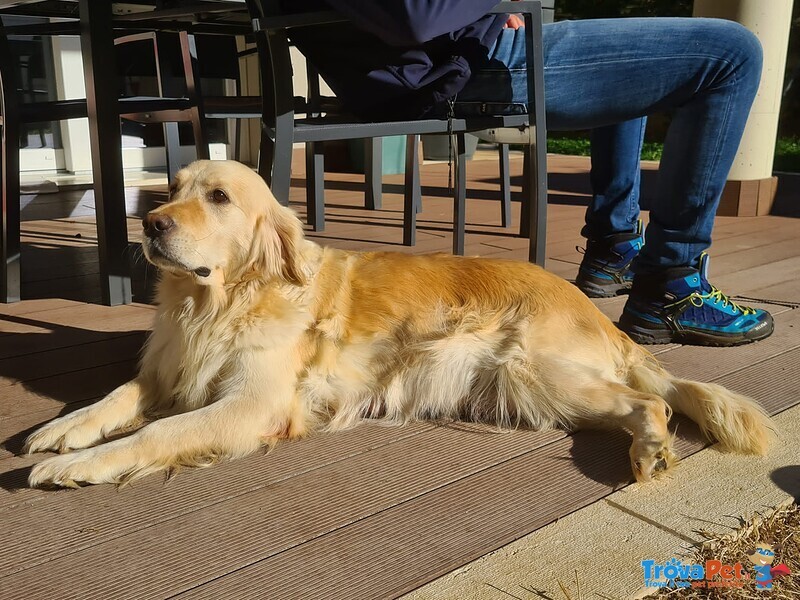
<point x="290" y="235"/>
<point x="276" y="245"/>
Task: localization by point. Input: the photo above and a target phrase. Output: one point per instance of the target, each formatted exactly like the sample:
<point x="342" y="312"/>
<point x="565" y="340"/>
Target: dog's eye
<point x="219" y="196"/>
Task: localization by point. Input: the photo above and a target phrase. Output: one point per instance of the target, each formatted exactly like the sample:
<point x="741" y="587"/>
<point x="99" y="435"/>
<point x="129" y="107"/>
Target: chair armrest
<point x="271" y="23"/>
<point x="523" y="6"/>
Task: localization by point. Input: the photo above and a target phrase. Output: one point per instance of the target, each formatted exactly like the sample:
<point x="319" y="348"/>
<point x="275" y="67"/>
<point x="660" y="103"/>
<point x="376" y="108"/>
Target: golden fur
<point x="261" y="335"/>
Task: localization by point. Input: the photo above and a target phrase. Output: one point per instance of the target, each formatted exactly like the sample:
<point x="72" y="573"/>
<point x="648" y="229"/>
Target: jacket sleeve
<point x="412" y="22"/>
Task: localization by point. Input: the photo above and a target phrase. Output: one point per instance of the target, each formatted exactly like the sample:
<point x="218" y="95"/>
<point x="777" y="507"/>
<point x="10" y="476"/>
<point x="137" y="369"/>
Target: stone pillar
<point x="751" y="187"/>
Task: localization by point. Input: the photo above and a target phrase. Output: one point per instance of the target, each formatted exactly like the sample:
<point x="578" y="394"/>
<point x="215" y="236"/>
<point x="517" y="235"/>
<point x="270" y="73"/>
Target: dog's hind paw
<point x="653" y="465"/>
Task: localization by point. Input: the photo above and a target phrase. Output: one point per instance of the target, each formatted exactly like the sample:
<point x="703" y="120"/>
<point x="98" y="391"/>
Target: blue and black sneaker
<point x="605" y="268"/>
<point x="680" y="306"/>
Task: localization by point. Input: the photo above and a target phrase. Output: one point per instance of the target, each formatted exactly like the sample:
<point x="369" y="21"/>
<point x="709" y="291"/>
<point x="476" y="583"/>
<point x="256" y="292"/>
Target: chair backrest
<point x="217" y="58"/>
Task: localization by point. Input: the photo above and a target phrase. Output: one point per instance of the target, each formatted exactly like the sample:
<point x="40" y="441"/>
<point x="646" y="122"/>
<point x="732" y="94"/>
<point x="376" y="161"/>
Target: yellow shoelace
<point x="716" y="296"/>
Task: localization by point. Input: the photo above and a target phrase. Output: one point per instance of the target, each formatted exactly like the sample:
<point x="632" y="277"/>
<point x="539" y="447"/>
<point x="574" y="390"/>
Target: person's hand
<point x="514" y="22"/>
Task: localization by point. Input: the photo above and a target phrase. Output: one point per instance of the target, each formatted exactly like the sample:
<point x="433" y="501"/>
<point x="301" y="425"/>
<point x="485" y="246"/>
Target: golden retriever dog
<point x="262" y="335"/>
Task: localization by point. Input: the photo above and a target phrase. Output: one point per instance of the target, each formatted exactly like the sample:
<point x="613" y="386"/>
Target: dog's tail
<point x="737" y="422"/>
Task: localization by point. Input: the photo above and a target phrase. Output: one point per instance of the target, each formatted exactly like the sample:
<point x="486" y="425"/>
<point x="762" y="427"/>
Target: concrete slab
<point x="603" y="545"/>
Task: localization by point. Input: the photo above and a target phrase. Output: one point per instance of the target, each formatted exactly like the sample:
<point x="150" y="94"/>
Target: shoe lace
<point x="717" y="297"/>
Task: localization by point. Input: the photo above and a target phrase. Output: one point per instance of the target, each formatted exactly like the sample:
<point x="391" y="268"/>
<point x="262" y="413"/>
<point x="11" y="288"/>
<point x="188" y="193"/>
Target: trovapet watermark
<point x="713" y="573"/>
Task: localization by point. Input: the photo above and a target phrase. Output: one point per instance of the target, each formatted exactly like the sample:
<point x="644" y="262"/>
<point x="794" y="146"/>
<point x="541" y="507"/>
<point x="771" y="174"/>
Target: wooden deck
<point x="370" y="513"/>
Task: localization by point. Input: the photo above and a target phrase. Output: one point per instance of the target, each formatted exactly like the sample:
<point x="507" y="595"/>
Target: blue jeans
<point x="608" y="75"/>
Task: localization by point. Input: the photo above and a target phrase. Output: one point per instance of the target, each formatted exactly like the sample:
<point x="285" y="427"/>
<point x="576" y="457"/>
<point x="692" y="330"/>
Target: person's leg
<point x="605" y="72"/>
<point x="613" y="229"/>
<point x="615" y="174"/>
<point x="612" y="226"/>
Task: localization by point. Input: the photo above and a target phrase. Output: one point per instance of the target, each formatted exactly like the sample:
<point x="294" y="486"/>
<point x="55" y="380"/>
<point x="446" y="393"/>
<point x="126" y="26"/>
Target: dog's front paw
<point x="73" y="470"/>
<point x="72" y="432"/>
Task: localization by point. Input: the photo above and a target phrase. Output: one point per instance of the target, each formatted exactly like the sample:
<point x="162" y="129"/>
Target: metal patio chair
<point x="283" y="127"/>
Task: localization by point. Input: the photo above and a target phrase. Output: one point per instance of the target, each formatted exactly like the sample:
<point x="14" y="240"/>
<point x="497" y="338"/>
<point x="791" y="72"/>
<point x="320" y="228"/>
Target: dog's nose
<point x="157" y="225"/>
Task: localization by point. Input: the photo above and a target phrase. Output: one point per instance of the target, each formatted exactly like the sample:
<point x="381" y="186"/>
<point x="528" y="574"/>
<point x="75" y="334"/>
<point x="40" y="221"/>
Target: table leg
<point x="100" y="74"/>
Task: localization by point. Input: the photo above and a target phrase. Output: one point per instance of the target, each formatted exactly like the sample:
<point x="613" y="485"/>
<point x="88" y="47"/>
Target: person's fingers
<point x="514" y="22"/>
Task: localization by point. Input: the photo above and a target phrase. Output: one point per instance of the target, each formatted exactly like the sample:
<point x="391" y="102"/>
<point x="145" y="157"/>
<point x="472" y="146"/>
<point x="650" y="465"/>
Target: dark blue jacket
<point x="400" y="58"/>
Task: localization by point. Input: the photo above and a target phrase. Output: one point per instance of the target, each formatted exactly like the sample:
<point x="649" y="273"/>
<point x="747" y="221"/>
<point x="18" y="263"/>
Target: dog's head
<point x="222" y="219"/>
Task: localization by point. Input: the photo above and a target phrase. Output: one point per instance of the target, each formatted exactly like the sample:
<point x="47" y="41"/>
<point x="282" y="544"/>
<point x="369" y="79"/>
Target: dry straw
<point x="780" y="529"/>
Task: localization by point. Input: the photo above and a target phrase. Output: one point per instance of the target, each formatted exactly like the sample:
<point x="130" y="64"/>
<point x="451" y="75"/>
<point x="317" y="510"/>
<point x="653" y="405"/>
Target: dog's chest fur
<point x="197" y="352"/>
<point x="187" y="358"/>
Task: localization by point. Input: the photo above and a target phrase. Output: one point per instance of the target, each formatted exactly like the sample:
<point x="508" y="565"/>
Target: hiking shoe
<point x="605" y="268"/>
<point x="681" y="306"/>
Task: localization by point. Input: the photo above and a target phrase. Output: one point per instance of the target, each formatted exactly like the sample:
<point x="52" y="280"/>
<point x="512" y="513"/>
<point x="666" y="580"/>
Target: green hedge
<point x="787" y="155"/>
<point x="581" y="147"/>
<point x="787" y="151"/>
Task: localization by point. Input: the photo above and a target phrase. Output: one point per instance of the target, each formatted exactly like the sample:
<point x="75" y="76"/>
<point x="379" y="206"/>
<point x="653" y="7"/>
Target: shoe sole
<point x="605" y="290"/>
<point x="651" y="335"/>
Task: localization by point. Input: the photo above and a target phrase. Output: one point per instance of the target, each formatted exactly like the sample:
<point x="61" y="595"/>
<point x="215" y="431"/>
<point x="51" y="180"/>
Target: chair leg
<point x="192" y="74"/>
<point x="536" y="163"/>
<point x="172" y="146"/>
<point x="505" y="186"/>
<point x="237" y="137"/>
<point x="275" y="160"/>
<point x="275" y="168"/>
<point x="535" y="171"/>
<point x="373" y="173"/>
<point x="315" y="186"/>
<point x="460" y="196"/>
<point x="533" y="223"/>
<point x="411" y="191"/>
<point x="200" y="135"/>
<point x="418" y="184"/>
<point x="525" y="209"/>
<point x="10" y="275"/>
